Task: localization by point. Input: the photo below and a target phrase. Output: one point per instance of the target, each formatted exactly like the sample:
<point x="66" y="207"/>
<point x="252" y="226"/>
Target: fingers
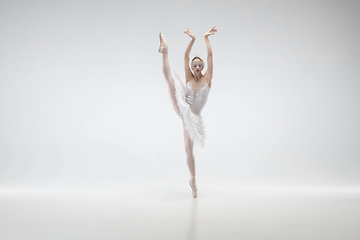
<point x="213" y="29"/>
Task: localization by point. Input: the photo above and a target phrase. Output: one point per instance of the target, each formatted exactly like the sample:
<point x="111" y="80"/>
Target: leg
<point x="190" y="160"/>
<point x="167" y="73"/>
<point x="189" y="149"/>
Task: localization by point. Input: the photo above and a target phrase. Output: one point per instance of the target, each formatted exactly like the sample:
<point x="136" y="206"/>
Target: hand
<point x="212" y="31"/>
<point x="188" y="32"/>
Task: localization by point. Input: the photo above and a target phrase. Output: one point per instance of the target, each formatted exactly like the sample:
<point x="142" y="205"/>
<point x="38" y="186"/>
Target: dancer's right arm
<point x="188" y="72"/>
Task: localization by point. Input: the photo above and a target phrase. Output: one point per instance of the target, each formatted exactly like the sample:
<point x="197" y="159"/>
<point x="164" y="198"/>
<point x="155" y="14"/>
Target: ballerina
<point x="188" y="100"/>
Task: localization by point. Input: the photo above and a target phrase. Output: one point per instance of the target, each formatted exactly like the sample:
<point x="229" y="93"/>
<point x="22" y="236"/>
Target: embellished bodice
<point x="197" y="102"/>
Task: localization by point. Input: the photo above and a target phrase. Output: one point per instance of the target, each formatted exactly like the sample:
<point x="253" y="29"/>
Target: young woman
<point x="189" y="100"/>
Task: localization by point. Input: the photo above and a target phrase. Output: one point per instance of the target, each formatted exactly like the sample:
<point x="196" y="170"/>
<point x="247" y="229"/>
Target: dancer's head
<point x="197" y="64"/>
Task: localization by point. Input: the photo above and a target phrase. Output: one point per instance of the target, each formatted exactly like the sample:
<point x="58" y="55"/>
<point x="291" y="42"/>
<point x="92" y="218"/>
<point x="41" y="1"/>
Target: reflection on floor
<point x="148" y="212"/>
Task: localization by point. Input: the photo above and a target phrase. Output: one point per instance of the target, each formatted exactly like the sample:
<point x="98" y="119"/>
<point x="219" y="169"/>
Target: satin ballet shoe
<point x="192" y="183"/>
<point x="163" y="45"/>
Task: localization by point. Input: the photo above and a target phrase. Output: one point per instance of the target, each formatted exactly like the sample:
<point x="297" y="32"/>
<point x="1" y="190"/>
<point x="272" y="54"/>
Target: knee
<point x="169" y="80"/>
<point x="188" y="150"/>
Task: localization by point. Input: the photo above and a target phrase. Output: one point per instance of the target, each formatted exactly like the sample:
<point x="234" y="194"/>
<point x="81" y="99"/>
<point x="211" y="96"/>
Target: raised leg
<point x="167" y="73"/>
<point x="190" y="160"/>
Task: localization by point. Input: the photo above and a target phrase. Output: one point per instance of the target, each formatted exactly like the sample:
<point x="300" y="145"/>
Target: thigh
<point x="172" y="93"/>
<point x="189" y="144"/>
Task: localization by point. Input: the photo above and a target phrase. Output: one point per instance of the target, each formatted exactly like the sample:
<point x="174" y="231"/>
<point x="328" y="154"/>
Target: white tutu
<point x="190" y="107"/>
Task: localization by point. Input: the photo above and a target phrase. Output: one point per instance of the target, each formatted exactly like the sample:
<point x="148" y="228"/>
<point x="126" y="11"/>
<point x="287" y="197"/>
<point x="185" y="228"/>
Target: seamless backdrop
<point x="83" y="100"/>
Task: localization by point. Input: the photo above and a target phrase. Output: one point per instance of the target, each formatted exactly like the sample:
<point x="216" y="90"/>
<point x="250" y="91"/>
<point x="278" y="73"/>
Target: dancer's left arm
<point x="209" y="71"/>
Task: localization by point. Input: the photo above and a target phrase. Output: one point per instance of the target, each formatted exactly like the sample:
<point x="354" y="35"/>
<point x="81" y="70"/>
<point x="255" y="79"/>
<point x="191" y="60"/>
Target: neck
<point x="197" y="76"/>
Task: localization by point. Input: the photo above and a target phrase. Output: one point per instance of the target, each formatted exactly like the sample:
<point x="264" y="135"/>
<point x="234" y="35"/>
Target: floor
<point x="169" y="212"/>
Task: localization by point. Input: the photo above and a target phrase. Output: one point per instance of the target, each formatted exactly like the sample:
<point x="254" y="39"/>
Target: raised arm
<point x="188" y="72"/>
<point x="209" y="71"/>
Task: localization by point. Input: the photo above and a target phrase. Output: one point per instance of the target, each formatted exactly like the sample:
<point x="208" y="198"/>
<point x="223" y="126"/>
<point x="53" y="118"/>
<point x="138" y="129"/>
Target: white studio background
<point x="83" y="100"/>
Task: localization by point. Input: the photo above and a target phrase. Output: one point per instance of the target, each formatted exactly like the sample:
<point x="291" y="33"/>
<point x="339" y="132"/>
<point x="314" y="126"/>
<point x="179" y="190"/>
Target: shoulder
<point x="208" y="78"/>
<point x="189" y="78"/>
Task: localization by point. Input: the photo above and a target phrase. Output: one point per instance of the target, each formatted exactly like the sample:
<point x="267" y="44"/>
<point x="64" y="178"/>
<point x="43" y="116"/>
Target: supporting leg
<point x="189" y="149"/>
<point x="190" y="160"/>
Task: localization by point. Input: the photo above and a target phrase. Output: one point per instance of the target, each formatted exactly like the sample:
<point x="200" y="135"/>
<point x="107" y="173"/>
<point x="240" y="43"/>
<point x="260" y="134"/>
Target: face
<point x="197" y="65"/>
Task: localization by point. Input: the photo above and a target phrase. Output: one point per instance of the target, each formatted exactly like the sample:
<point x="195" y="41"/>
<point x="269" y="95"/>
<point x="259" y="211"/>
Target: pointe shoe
<point x="163" y="45"/>
<point x="192" y="183"/>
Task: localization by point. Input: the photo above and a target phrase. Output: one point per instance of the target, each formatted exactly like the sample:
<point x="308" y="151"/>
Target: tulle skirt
<point x="193" y="122"/>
